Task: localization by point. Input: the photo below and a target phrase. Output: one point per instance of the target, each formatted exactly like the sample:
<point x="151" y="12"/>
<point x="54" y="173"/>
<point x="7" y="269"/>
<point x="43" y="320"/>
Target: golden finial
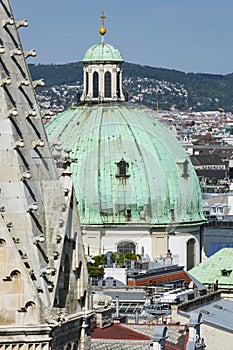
<point x="102" y="29"/>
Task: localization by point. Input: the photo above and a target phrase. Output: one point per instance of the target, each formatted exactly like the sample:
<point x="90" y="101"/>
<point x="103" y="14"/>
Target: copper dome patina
<point x="102" y="52"/>
<point x="131" y="170"/>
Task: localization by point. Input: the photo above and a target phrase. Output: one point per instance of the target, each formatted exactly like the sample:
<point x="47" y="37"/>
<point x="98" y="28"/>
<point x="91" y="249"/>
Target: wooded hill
<point x="151" y="86"/>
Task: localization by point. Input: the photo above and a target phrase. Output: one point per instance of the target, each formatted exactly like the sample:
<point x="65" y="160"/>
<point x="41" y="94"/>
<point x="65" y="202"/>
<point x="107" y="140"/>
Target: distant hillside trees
<point x="151" y="86"/>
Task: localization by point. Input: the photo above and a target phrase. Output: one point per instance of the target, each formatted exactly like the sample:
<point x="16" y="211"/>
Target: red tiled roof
<point x="116" y="331"/>
<point x="120" y="332"/>
<point x="159" y="279"/>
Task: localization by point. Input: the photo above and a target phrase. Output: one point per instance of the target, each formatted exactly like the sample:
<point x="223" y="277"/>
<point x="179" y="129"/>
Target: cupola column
<point x="122" y="98"/>
<point x="114" y="84"/>
<point x="85" y="82"/>
<point x="90" y="83"/>
<point x="118" y="81"/>
<point x="101" y="82"/>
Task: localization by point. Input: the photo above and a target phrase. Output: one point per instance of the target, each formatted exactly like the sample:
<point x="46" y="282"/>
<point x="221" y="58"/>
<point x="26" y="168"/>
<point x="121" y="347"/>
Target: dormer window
<point x="123" y="167"/>
<point x="172" y="211"/>
<point x="220" y="209"/>
<point x="225" y="272"/>
<point x="214" y="209"/>
<point x="185" y="169"/>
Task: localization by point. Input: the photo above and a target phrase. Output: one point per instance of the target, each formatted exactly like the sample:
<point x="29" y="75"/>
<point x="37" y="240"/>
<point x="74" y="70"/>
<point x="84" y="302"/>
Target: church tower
<point x="44" y="296"/>
<point x="102" y="72"/>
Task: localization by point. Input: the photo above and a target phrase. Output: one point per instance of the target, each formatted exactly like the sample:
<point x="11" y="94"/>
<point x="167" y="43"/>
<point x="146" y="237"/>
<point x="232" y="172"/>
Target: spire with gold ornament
<point x="102" y="29"/>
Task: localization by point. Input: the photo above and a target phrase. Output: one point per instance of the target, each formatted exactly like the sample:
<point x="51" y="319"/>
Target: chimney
<point x="117" y="307"/>
<point x="195" y="341"/>
<point x="158" y="338"/>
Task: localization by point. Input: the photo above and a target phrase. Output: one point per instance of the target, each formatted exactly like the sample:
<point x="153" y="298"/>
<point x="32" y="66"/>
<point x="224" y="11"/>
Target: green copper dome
<point x="102" y="52"/>
<point x="130" y="171"/>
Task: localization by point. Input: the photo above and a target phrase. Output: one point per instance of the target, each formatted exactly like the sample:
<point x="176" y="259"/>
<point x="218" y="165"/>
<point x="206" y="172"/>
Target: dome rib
<point x="139" y="152"/>
<point x="99" y="164"/>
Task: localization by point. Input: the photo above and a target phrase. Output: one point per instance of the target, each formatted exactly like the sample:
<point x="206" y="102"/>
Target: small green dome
<point x="130" y="169"/>
<point x="102" y="52"/>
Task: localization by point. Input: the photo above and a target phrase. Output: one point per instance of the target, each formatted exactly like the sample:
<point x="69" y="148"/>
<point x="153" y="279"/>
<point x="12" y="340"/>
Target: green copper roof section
<point x="102" y="52"/>
<point x="160" y="185"/>
<point x="211" y="269"/>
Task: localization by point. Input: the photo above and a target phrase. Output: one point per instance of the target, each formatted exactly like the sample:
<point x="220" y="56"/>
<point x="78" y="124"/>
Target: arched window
<point x="95" y="84"/>
<point x="87" y="83"/>
<point x="126" y="247"/>
<point x="191" y="253"/>
<point x="107" y="84"/>
<point x="118" y="85"/>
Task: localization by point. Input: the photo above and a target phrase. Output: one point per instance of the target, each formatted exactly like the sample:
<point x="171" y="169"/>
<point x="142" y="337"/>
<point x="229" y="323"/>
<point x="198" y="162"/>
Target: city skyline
<point x="190" y="37"/>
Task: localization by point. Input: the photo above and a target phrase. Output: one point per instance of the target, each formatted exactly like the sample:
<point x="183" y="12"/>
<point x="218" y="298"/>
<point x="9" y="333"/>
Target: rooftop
<point x="217" y="314"/>
<point x="131" y="337"/>
<point x="217" y="267"/>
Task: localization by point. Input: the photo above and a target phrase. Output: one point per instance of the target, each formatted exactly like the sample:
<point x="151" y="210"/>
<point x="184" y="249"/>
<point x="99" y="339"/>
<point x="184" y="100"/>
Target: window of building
<point x="95" y="84"/>
<point x="172" y="211"/>
<point x="225" y="272"/>
<point x="126" y="247"/>
<point x="220" y="210"/>
<point x="185" y="169"/>
<point x="107" y="84"/>
<point x="191" y="253"/>
<point x="214" y="209"/>
<point x="122" y="168"/>
<point x="118" y="84"/>
<point x="87" y="83"/>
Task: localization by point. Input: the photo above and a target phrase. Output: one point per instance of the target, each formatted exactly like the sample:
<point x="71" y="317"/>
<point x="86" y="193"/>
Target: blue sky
<point x="187" y="35"/>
